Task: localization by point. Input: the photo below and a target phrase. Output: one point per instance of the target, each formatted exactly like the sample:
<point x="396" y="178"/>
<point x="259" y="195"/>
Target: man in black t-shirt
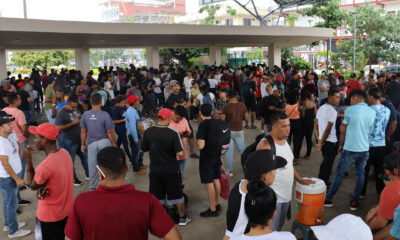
<point x="210" y="159"/>
<point x="149" y="97"/>
<point x="164" y="144"/>
<point x="270" y="105"/>
<point x="25" y="100"/>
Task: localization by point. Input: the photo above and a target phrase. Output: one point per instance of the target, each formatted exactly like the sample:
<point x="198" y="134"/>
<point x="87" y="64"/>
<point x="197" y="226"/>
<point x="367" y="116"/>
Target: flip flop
<point x="247" y="127"/>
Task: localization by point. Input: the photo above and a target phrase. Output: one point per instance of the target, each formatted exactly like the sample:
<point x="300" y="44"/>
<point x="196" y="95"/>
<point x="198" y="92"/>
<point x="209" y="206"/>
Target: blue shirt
<point x="60" y="105"/>
<point x="378" y="132"/>
<point x="395" y="229"/>
<point x="359" y="119"/>
<point x="131" y="118"/>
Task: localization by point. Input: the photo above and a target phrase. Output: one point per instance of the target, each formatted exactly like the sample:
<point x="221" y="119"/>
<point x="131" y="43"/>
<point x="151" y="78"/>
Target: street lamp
<point x="354" y="42"/>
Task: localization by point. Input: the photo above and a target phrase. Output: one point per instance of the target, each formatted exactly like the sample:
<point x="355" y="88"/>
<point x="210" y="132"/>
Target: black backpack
<point x="252" y="147"/>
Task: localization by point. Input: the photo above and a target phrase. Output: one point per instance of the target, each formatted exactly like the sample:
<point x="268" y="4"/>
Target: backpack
<point x="207" y="100"/>
<point x="247" y="88"/>
<point x="224" y="136"/>
<point x="252" y="147"/>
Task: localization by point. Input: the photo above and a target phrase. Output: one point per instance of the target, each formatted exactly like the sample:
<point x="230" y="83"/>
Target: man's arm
<point x="24" y="130"/>
<point x="6" y="165"/>
<point x="83" y="138"/>
<point x="301" y="180"/>
<point x="390" y="130"/>
<point x="173" y="234"/>
<point x="377" y="222"/>
<point x="69" y="125"/>
<point x="111" y="136"/>
<point x="200" y="144"/>
<point x="325" y="134"/>
<point x="246" y="116"/>
<point x="343" y="129"/>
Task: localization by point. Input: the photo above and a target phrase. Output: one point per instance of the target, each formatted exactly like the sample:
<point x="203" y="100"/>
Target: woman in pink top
<point x="181" y="125"/>
<point x="292" y="111"/>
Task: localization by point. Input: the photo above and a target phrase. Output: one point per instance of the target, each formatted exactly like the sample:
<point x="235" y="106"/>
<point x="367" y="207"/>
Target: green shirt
<point x="49" y="93"/>
<point x="194" y="92"/>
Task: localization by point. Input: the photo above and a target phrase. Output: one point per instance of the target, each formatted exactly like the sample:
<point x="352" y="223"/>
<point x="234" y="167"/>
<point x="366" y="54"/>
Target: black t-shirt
<point x="266" y="103"/>
<point x="175" y="98"/>
<point x="24" y="95"/>
<point x="163" y="143"/>
<point x="118" y="113"/>
<point x="65" y="117"/>
<point x="3" y="94"/>
<point x="393" y="91"/>
<point x="147" y="85"/>
<point x="207" y="132"/>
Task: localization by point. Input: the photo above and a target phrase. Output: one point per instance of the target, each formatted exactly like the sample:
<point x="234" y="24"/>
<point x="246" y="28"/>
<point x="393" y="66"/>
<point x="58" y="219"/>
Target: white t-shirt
<point x="107" y="87"/>
<point x="270" y="236"/>
<point x="263" y="89"/>
<point x="188" y="83"/>
<point x="218" y="77"/>
<point x="327" y="113"/>
<point x="9" y="147"/>
<point x="158" y="82"/>
<point x="213" y="82"/>
<point x="284" y="178"/>
<point x="200" y="97"/>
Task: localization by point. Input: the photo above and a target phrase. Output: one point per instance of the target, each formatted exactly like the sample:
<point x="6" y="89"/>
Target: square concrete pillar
<point x="82" y="61"/>
<point x="274" y="55"/>
<point x="214" y="56"/>
<point x="3" y="63"/>
<point x="152" y="57"/>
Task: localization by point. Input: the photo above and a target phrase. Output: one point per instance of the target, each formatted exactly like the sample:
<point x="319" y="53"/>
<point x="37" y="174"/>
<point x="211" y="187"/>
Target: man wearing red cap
<point x="132" y="116"/>
<point x="54" y="179"/>
<point x="164" y="145"/>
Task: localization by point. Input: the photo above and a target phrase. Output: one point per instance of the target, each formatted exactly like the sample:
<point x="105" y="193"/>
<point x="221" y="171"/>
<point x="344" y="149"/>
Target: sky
<point x="75" y="10"/>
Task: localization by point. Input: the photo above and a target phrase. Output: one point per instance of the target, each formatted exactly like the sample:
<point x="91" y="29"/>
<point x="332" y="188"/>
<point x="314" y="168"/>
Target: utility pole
<point x="354" y="44"/>
<point x="25" y="11"/>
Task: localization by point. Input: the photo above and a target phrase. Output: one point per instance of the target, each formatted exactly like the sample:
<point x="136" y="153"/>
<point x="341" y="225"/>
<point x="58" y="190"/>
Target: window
<point x="246" y="22"/>
<point x="229" y="22"/>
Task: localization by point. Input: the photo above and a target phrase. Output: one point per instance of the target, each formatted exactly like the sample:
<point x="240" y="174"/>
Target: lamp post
<point x="354" y="43"/>
<point x="25" y="11"/>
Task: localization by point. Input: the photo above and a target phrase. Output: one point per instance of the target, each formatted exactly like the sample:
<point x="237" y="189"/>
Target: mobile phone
<point x="43" y="191"/>
<point x="24" y="187"/>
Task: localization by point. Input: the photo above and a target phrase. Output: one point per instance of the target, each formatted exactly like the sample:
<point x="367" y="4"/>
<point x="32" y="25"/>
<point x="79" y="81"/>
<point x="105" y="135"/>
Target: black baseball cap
<point x="263" y="161"/>
<point x="5" y="118"/>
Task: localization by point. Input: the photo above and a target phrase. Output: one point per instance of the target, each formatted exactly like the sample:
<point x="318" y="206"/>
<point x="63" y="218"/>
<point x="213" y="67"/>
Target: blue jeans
<point x="23" y="164"/>
<point x="27" y="117"/>
<point x="48" y="113"/>
<point x="237" y="137"/>
<point x="182" y="164"/>
<point x="137" y="156"/>
<point x="73" y="149"/>
<point x="32" y="110"/>
<point x="9" y="191"/>
<point x="122" y="138"/>
<point x="346" y="160"/>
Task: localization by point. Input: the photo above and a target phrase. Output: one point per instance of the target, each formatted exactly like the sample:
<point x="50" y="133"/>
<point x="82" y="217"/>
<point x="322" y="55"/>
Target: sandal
<point x="247" y="127"/>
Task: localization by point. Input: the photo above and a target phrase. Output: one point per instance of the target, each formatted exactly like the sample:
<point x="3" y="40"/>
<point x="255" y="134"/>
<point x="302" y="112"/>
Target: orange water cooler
<point x="310" y="202"/>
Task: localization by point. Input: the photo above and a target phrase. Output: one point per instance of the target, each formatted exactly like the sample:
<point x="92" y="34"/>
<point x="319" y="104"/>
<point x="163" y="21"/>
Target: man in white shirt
<point x="283" y="183"/>
<point x="325" y="132"/>
<point x="109" y="85"/>
<point x="10" y="157"/>
<point x="323" y="87"/>
<point x="187" y="81"/>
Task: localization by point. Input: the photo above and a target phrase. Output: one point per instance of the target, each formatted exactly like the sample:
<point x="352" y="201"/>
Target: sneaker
<point x="353" y="206"/>
<point x="19" y="212"/>
<point x="87" y="178"/>
<point x="77" y="183"/>
<point x="19" y="233"/>
<point x="183" y="221"/>
<point x="194" y="155"/>
<point x="144" y="166"/>
<point x="209" y="213"/>
<point x="328" y="203"/>
<point x="140" y="172"/>
<point x="218" y="207"/>
<point x="24" y="202"/>
<point x="20" y="225"/>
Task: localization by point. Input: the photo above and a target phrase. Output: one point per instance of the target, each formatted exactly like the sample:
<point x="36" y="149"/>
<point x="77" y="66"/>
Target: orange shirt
<point x="56" y="173"/>
<point x="292" y="111"/>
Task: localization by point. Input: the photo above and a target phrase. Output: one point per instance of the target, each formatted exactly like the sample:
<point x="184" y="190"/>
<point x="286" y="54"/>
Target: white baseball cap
<point x="343" y="227"/>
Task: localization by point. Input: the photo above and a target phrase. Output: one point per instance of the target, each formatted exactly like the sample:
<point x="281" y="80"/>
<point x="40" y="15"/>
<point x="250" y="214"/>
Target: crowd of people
<point x="356" y="118"/>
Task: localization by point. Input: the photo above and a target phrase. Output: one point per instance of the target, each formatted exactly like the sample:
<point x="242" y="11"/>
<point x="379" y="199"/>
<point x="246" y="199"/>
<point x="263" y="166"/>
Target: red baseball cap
<point x="165" y="113"/>
<point x="47" y="130"/>
<point x="132" y="99"/>
<point x="20" y="84"/>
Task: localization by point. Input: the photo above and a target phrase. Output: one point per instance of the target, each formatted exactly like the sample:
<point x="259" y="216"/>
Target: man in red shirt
<point x="115" y="210"/>
<point x="352" y="84"/>
<point x="54" y="181"/>
<point x="379" y="218"/>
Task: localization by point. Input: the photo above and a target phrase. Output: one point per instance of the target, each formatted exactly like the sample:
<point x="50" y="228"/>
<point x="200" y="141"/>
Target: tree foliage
<point x="329" y="12"/>
<point x="291" y="19"/>
<point x="231" y="11"/>
<point x="183" y="54"/>
<point x="42" y="58"/>
<point x="211" y="11"/>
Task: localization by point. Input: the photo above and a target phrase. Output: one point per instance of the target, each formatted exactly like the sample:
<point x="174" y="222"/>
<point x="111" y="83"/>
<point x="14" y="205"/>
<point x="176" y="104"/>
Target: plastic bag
<point x="225" y="182"/>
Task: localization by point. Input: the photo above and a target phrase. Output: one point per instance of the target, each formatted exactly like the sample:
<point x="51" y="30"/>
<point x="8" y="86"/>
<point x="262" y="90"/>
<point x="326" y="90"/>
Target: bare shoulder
<point x="263" y="144"/>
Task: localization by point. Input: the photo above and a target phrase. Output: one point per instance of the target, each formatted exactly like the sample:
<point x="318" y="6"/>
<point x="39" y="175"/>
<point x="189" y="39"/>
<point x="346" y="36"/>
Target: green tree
<point x="183" y="54"/>
<point x="332" y="16"/>
<point x="377" y="35"/>
<point x="211" y="11"/>
<point x="301" y="64"/>
<point x="231" y="11"/>
<point x="255" y="54"/>
<point x="287" y="56"/>
<point x="291" y="19"/>
<point x="42" y="58"/>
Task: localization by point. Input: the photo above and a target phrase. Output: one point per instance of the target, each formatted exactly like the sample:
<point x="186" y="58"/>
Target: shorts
<point x="50" y="230"/>
<point x="250" y="103"/>
<point x="191" y="129"/>
<point x="170" y="185"/>
<point x="209" y="171"/>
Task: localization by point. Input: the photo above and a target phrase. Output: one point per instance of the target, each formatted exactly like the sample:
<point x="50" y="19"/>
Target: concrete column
<point x="152" y="57"/>
<point x="3" y="64"/>
<point x="214" y="56"/>
<point x="82" y="61"/>
<point x="274" y="55"/>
